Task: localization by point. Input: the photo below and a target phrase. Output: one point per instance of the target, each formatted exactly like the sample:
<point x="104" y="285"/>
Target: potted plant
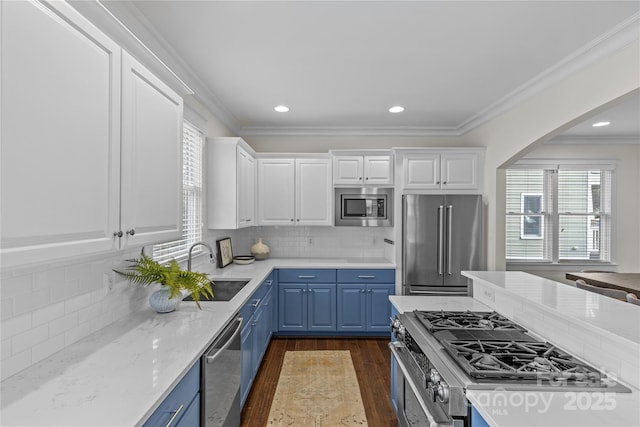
<point x="145" y="271"/>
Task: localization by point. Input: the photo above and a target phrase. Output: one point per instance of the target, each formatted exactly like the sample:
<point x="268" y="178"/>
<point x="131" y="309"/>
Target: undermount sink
<point x="223" y="290"/>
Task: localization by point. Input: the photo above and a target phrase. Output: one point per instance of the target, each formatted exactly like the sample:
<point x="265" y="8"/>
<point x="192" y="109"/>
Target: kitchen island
<point x="603" y="332"/>
<point x="119" y="375"/>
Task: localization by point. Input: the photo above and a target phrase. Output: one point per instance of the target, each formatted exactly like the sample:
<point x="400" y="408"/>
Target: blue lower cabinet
<point x="191" y="417"/>
<point x="305" y="308"/>
<point x="379" y="307"/>
<point x="246" y="364"/>
<point x="364" y="307"/>
<point x="292" y="307"/>
<point x="321" y="307"/>
<point x="477" y="420"/>
<point x="394" y="370"/>
<point x="352" y="308"/>
<point x="176" y="405"/>
<point x="255" y="335"/>
<point x="306" y="300"/>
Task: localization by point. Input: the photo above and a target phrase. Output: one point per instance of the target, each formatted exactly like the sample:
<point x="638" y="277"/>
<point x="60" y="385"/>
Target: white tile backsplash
<point x="311" y="242"/>
<point x="48" y="307"/>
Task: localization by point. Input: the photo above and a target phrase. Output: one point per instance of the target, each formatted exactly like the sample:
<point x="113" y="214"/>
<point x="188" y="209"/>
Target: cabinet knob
<point x="131" y="232"/>
<point x="445" y="182"/>
<point x="117" y="233"/>
<point x="298" y="219"/>
<point x="360" y="179"/>
<point x="291" y="219"/>
<point x="437" y="182"/>
<point x="363" y="291"/>
<point x="367" y="178"/>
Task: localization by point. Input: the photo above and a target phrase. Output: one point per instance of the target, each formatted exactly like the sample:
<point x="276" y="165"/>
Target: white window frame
<point x="192" y="189"/>
<point x="523" y="235"/>
<point x="552" y="215"/>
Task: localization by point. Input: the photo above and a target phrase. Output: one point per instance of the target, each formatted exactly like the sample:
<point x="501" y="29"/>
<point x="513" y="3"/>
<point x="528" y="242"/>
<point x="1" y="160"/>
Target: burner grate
<point x="475" y="320"/>
<point x="522" y="360"/>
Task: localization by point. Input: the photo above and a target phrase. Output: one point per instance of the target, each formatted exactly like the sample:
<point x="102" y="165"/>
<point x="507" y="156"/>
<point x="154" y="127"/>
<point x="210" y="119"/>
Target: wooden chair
<point x="608" y="292"/>
<point x="633" y="299"/>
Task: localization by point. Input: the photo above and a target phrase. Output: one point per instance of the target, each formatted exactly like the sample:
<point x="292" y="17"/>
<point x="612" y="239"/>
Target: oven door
<point x="414" y="408"/>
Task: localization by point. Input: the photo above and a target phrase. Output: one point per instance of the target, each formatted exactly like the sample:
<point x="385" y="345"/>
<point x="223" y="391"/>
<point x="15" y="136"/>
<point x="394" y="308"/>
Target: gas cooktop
<point x="491" y="348"/>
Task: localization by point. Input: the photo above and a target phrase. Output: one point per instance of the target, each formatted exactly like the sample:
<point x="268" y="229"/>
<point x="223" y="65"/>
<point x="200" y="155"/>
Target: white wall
<point x="626" y="249"/>
<point x="549" y="113"/>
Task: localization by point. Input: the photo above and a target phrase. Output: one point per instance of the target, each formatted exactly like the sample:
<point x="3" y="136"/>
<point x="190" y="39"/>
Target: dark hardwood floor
<point x="371" y="359"/>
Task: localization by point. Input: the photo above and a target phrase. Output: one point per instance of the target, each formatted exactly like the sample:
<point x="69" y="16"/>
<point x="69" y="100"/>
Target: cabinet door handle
<point x="117" y="233"/>
<point x="269" y="282"/>
<point x="306" y="277"/>
<point x="131" y="232"/>
<point x="175" y="415"/>
<point x="366" y="277"/>
<point x="255" y="304"/>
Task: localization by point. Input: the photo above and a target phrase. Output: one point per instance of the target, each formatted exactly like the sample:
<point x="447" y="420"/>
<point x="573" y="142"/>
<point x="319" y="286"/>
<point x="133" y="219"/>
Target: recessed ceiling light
<point x="281" y="108"/>
<point x="396" y="109"/>
<point x="600" y="124"/>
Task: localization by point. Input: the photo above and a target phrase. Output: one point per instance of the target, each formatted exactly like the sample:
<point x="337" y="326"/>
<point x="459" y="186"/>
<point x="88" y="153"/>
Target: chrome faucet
<point x="191" y="249"/>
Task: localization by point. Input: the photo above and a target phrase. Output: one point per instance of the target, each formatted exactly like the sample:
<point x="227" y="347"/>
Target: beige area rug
<point x="317" y="389"/>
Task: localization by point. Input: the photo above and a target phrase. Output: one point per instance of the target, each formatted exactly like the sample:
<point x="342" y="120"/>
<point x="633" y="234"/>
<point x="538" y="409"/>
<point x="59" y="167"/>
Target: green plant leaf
<point x="145" y="271"/>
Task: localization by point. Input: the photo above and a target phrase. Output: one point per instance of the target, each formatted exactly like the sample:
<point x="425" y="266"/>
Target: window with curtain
<point x="192" y="146"/>
<point x="559" y="213"/>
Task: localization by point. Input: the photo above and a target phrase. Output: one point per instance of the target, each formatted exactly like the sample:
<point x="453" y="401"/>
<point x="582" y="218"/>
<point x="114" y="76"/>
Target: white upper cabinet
<point x="363" y="170"/>
<point x="60" y="134"/>
<point x="294" y="191"/>
<point x="441" y="170"/>
<point x="231" y="184"/>
<point x="73" y="112"/>
<point x="313" y="192"/>
<point x="151" y="209"/>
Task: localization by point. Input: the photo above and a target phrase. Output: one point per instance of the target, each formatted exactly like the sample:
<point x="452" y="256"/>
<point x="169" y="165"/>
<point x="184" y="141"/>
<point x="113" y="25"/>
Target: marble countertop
<point x="119" y="375"/>
<point x="502" y="408"/>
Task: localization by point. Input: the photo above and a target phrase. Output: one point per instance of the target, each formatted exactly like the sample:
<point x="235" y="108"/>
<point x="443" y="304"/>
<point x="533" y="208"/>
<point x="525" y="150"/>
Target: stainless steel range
<point x="441" y="354"/>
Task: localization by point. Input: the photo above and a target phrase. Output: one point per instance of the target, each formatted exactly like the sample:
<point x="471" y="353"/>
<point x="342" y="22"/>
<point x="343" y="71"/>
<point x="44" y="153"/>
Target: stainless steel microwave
<point x="364" y="207"/>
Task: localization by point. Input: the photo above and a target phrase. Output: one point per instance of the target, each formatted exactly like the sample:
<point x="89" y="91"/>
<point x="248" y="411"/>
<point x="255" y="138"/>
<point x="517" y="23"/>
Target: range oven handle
<point x="440" y="240"/>
<point x="393" y="346"/>
<point x="449" y="237"/>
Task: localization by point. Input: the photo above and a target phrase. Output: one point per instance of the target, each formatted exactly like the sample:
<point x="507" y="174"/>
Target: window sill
<point x="559" y="266"/>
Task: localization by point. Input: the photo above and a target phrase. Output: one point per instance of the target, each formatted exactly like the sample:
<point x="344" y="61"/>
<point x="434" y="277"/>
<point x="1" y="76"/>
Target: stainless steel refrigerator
<point x="442" y="236"/>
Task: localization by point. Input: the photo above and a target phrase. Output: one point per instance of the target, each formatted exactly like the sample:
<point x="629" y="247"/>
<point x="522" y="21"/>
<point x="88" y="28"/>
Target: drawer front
<point x="306" y="276"/>
<point x="367" y="276"/>
<point x="182" y="394"/>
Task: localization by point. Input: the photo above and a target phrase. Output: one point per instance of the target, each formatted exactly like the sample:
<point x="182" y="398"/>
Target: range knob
<point x="443" y="393"/>
<point x="398" y="328"/>
<point x="434" y="376"/>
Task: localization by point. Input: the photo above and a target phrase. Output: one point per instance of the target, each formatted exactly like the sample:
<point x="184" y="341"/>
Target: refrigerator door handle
<point x="449" y="237"/>
<point x="440" y="239"/>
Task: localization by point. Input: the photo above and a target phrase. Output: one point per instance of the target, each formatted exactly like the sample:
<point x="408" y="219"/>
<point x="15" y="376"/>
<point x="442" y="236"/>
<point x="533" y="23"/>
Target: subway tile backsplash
<point x="48" y="307"/>
<point x="312" y="242"/>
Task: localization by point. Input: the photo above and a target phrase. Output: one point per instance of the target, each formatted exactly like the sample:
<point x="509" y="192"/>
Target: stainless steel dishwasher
<point x="220" y="386"/>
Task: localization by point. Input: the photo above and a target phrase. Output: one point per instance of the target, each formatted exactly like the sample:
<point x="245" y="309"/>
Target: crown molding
<point x="617" y="38"/>
<point x="202" y="92"/>
<point x="137" y="25"/>
<point x="124" y="22"/>
<point x="347" y="131"/>
<point x="595" y="140"/>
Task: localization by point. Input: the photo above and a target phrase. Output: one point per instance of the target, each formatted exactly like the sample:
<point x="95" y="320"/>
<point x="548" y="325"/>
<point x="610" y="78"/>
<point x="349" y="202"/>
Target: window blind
<point x="571" y="223"/>
<point x="192" y="146"/>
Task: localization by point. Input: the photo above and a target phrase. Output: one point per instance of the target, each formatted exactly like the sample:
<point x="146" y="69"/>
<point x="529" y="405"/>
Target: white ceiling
<point x="339" y="65"/>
